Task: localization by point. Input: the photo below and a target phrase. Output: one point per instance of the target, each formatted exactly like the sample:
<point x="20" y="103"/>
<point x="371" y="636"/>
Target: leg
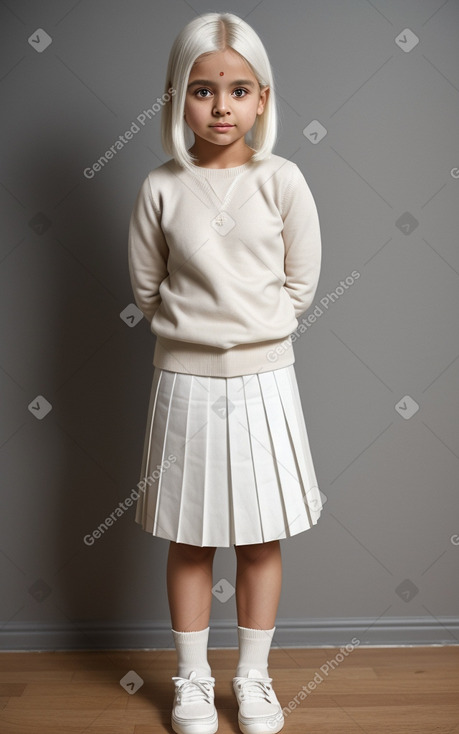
<point x="258" y="584"/>
<point x="189" y="585"/>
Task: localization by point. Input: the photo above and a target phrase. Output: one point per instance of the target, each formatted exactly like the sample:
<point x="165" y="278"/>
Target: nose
<point x="221" y="104"/>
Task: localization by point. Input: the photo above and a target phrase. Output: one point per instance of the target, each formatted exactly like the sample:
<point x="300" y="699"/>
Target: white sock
<point x="254" y="647"/>
<point x="192" y="652"/>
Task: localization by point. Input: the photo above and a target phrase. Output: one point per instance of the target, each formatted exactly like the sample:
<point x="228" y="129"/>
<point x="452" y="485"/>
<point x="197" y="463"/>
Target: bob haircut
<point x="206" y="34"/>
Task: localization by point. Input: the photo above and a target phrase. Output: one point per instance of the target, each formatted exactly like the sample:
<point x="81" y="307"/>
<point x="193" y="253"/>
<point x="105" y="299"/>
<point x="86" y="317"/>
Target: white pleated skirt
<point x="226" y="460"/>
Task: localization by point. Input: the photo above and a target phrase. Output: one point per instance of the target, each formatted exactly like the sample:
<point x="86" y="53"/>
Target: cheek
<point x="193" y="111"/>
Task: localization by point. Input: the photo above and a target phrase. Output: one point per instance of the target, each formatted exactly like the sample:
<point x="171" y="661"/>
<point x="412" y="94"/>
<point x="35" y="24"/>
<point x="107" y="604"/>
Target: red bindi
<point x="221" y="73"/>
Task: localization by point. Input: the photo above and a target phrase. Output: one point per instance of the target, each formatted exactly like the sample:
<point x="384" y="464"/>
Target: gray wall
<point x="381" y="563"/>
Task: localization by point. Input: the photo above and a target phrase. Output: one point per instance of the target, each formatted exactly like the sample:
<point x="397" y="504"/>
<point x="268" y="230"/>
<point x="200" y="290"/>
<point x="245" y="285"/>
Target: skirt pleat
<point x="226" y="460"/>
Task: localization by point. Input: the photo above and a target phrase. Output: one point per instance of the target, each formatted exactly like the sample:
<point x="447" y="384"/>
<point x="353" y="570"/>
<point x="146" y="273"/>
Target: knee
<point x="194" y="553"/>
<point x="256" y="551"/>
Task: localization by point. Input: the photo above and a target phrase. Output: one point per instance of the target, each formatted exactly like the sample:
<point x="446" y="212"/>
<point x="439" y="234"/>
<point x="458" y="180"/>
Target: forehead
<point x="228" y="61"/>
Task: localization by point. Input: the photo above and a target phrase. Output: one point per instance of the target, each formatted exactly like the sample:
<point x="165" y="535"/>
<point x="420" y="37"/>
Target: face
<point x="222" y="88"/>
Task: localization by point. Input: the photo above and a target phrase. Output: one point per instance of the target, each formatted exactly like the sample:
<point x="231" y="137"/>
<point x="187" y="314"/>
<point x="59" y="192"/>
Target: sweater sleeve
<point x="303" y="249"/>
<point x="147" y="253"/>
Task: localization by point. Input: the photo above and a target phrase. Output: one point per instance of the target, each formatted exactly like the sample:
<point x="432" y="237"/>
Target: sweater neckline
<point x="221" y="173"/>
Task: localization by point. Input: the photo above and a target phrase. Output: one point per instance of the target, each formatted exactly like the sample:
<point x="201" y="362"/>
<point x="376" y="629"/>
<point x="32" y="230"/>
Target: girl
<point x="224" y="256"/>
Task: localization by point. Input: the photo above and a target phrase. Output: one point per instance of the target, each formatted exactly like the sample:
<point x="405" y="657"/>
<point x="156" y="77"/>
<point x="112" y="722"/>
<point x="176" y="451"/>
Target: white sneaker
<point x="194" y="711"/>
<point x="259" y="710"/>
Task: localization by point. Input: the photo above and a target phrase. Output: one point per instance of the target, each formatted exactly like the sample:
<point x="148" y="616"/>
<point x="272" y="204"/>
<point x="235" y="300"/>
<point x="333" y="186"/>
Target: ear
<point x="264" y="94"/>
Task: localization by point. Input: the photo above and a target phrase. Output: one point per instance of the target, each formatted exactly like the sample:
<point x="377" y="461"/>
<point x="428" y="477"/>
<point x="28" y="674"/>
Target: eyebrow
<point x="246" y="82"/>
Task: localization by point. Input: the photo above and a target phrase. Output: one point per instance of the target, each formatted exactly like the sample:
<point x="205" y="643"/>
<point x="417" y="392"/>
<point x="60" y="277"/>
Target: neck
<point x="221" y="156"/>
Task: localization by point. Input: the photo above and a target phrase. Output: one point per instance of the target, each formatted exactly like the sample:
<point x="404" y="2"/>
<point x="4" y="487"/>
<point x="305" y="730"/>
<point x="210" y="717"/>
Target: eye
<point x="198" y="91"/>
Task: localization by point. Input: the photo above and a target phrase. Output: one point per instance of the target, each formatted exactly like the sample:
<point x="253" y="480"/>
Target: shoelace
<point x="255" y="688"/>
<point x="193" y="688"/>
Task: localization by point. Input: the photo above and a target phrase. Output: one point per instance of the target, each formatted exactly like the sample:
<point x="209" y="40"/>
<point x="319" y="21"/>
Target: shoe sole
<point x="198" y="726"/>
<point x="254" y="727"/>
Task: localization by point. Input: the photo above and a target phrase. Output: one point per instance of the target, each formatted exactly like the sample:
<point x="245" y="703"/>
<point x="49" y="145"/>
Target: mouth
<point x="222" y="125"/>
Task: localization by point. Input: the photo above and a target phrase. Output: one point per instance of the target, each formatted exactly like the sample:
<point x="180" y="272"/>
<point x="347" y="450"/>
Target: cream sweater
<point x="222" y="262"/>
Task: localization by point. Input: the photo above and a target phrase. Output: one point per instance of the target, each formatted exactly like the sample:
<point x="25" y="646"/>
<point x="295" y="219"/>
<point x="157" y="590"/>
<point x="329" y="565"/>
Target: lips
<point x="223" y="125"/>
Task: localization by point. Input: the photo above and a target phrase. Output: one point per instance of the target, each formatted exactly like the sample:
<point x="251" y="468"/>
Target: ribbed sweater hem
<point x="243" y="359"/>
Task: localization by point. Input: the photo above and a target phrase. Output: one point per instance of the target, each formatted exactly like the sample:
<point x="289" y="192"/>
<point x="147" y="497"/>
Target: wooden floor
<point x="368" y="691"/>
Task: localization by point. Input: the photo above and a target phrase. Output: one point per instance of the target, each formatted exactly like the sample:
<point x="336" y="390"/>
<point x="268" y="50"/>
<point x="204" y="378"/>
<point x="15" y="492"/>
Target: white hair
<point x="209" y="33"/>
